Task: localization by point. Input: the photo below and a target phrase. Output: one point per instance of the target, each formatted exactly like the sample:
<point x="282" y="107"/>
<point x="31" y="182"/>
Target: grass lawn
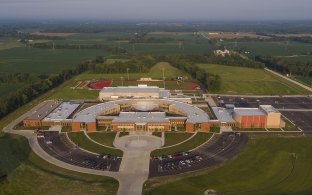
<point x="266" y="166"/>
<point x="289" y="126"/>
<point x="105" y="138"/>
<point x="197" y="140"/>
<point x="248" y="129"/>
<point x="157" y="134"/>
<point x="29" y="174"/>
<point x="43" y="61"/>
<point x="82" y="141"/>
<point x="175" y="138"/>
<point x="250" y="81"/>
<point x="121" y="134"/>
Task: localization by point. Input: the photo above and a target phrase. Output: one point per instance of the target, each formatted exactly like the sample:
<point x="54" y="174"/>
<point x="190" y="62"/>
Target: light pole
<point x="163" y="73"/>
<point x="121" y="78"/>
<point x="128" y="73"/>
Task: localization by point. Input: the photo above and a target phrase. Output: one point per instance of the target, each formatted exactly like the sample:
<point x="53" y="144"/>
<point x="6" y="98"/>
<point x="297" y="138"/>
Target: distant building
<point x="222" y="52"/>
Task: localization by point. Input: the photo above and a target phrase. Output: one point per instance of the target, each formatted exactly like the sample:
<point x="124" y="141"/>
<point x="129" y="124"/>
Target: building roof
<point x="89" y="114"/>
<point x="142" y="117"/>
<point x="193" y="113"/>
<point x="249" y="112"/>
<point x="268" y="109"/>
<point x="63" y="111"/>
<point x="223" y="115"/>
<point x="44" y="110"/>
<point x="162" y="93"/>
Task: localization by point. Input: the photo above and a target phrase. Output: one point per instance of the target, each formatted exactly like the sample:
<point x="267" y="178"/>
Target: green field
<point x="250" y="81"/>
<point x="82" y="141"/>
<point x="175" y="138"/>
<point x="29" y="174"/>
<point x="105" y="138"/>
<point x="266" y="166"/>
<point x="43" y="61"/>
<point x="197" y="140"/>
<point x="268" y="48"/>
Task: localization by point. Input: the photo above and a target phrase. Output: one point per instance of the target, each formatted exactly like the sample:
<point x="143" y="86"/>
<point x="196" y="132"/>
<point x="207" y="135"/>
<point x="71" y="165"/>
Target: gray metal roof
<point x="194" y="114"/>
<point x="223" y="115"/>
<point x="162" y="93"/>
<point x="142" y="117"/>
<point x="62" y="112"/>
<point x="89" y="114"/>
<point x="249" y="111"/>
<point x="44" y="110"/>
<point x="268" y="109"/>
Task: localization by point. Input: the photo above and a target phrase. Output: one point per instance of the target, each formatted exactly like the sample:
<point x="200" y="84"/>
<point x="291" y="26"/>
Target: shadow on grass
<point x="14" y="151"/>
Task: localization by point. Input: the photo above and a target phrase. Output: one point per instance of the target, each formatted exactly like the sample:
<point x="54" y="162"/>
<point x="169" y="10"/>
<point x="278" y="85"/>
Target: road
<point x="134" y="168"/>
<point x="288" y="79"/>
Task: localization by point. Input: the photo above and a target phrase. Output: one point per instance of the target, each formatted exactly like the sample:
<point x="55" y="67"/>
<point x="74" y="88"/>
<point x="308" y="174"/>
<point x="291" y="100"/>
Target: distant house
<point x="222" y="52"/>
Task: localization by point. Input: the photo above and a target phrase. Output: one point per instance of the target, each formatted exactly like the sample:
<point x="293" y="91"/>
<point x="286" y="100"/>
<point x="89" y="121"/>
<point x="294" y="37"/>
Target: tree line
<point x="49" y="45"/>
<point x="30" y="92"/>
<point x="287" y="67"/>
<point x="209" y="81"/>
<point x="137" y="64"/>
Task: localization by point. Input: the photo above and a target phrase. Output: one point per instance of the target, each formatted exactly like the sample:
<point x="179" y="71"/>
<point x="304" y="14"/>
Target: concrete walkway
<point x="134" y="168"/>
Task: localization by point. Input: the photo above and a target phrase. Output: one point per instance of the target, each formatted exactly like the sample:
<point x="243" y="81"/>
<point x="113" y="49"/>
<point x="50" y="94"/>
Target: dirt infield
<point x="171" y="85"/>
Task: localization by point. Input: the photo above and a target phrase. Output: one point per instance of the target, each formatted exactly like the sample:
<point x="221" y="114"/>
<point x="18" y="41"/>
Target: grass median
<point x="197" y="140"/>
<point x="80" y="139"/>
<point x="175" y="138"/>
<point x="105" y="138"/>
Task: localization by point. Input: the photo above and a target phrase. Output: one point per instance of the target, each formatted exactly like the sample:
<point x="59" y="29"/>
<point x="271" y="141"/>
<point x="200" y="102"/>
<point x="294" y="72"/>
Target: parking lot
<point x="219" y="149"/>
<point x="58" y="146"/>
<point x="297" y="109"/>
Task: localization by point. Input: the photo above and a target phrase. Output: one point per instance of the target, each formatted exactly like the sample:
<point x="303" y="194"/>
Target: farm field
<point x="29" y="174"/>
<point x="265" y="166"/>
<point x="164" y="44"/>
<point x="43" y="61"/>
<point x="268" y="48"/>
<point x="253" y="81"/>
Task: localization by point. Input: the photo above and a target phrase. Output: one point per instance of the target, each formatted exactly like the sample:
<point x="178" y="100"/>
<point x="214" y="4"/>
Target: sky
<point x="158" y="9"/>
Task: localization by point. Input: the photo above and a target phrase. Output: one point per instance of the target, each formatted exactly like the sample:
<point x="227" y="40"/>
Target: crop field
<point x="29" y="174"/>
<point x="8" y="43"/>
<point x="297" y="58"/>
<point x="42" y="61"/>
<point x="265" y="166"/>
<point x="267" y="48"/>
<point x="249" y="81"/>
